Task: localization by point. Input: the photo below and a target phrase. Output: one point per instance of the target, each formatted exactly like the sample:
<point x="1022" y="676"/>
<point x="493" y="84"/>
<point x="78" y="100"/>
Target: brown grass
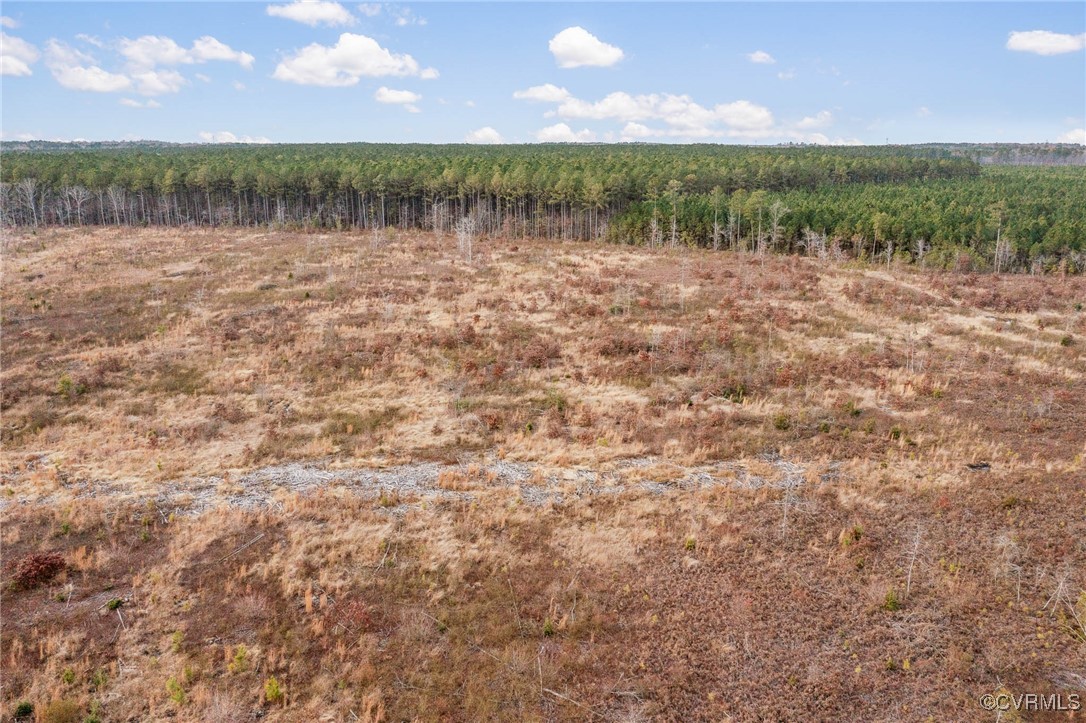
<point x="743" y="487"/>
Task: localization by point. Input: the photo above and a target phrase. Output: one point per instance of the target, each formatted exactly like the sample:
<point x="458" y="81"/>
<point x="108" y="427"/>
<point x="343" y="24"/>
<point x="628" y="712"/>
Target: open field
<point x="350" y="476"/>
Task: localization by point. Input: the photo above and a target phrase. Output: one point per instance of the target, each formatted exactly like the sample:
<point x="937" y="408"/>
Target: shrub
<point x="114" y="603"/>
<point x="24" y="709"/>
<point x="548" y="628"/>
<point x="240" y="662"/>
<point x="782" y="422"/>
<point x="175" y="691"/>
<point x="37" y="568"/>
<point x="272" y="692"/>
<point x="891" y="603"/>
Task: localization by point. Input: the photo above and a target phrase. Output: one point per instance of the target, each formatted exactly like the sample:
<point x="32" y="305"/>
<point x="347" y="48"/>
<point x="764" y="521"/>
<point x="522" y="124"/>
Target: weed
<point x="850" y="535"/>
<point x="548" y="628"/>
<point x="891" y="603"/>
<point x="24" y="709"/>
<point x="68" y="676"/>
<point x="690" y="544"/>
<point x="1067" y="340"/>
<point x="176" y="641"/>
<point x="782" y="422"/>
<point x="61" y="711"/>
<point x="114" y="603"/>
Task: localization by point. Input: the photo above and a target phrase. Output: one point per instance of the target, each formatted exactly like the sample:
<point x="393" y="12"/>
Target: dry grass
<point x="679" y="486"/>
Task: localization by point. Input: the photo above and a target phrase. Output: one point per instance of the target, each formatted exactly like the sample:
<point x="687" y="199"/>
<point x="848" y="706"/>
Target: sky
<point x="447" y="72"/>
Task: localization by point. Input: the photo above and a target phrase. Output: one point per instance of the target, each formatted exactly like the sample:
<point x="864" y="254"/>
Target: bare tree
<point x="920" y="249"/>
<point x="776" y="213"/>
<point x="465" y="236"/>
<point x="28" y="193"/>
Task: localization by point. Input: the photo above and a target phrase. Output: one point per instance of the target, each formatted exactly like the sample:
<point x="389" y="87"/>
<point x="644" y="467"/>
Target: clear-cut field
<point x="566" y="480"/>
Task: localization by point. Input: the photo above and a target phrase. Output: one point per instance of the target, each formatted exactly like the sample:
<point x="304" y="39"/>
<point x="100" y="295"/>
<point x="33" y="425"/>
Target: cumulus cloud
<point x="343" y="64"/>
<point x="562" y="133"/>
<point x="406" y="98"/>
<point x="150" y="51"/>
<point x="208" y="48"/>
<point x="370" y="10"/>
<point x="486" y="134"/>
<point x="671" y="116"/>
<point x="546" y="93"/>
<point x="76" y="70"/>
<point x="819" y="120"/>
<point x="132" y="103"/>
<point x="762" y="57"/>
<point x="1078" y="135"/>
<point x="682" y="116"/>
<point x="158" y="82"/>
<point x="1044" y="42"/>
<point x="575" y="47"/>
<point x="228" y="137"/>
<point x="313" y="13"/>
<point x="16" y="55"/>
<point x="9" y="23"/>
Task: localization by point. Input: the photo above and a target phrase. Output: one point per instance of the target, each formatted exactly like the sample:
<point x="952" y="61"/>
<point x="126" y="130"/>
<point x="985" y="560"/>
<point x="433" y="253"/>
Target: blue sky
<point x="525" y="72"/>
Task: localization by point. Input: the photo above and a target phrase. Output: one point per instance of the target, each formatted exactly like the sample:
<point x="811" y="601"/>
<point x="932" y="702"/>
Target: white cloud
<point x="9" y="23"/>
<point x="469" y="103"/>
<point x="429" y="74"/>
<point x="388" y="95"/>
<point x="820" y="120"/>
<point x="343" y="64"/>
<point x="204" y="78"/>
<point x="150" y="51"/>
<point x="313" y="13"/>
<point x="16" y="55"/>
<point x="1044" y="42"/>
<point x="575" y="47"/>
<point x="407" y="17"/>
<point x="208" y="48"/>
<point x="406" y="98"/>
<point x="745" y="115"/>
<point x="1078" y="135"/>
<point x="92" y="78"/>
<point x="633" y="131"/>
<point x="923" y="111"/>
<point x="90" y="40"/>
<point x="228" y="137"/>
<point x="761" y="57"/>
<point x="158" y="82"/>
<point x="787" y="74"/>
<point x="680" y="113"/>
<point x="562" y="133"/>
<point x="370" y="10"/>
<point x="76" y="70"/>
<point x="546" y="93"/>
<point x="131" y="103"/>
<point x="485" y="134"/>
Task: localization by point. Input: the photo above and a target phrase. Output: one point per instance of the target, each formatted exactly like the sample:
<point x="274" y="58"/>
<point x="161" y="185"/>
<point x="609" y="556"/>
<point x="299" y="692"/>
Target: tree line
<point x="865" y="200"/>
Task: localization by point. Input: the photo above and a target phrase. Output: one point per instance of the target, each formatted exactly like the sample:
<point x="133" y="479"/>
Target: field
<point x="353" y="476"/>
